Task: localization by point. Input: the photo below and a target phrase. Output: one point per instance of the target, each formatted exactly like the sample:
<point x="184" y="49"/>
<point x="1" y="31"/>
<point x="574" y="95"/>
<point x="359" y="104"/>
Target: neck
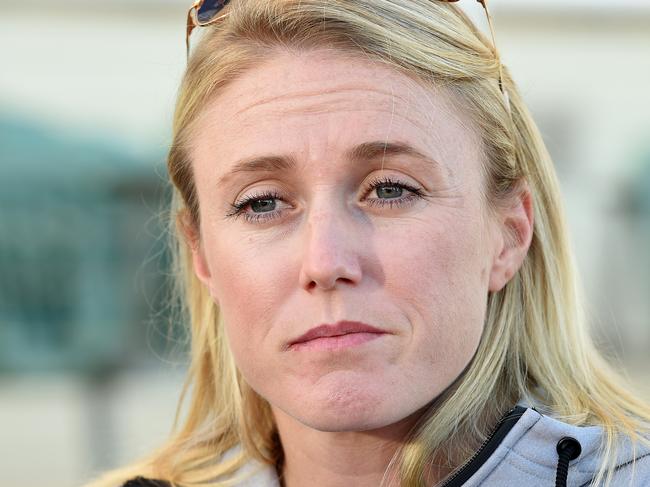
<point x="336" y="459"/>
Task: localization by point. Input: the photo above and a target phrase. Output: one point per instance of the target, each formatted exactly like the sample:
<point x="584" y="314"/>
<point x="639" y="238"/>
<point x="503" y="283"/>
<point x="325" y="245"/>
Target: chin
<point x="346" y="410"/>
<point x="337" y="423"/>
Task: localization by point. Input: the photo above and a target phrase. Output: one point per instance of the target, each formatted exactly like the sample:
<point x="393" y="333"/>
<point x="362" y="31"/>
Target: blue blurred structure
<point x="76" y="217"/>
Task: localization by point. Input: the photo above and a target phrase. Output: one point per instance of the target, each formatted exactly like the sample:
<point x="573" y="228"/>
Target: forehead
<point x="317" y="101"/>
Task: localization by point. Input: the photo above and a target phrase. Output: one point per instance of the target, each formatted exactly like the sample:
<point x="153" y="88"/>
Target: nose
<point x="330" y="251"/>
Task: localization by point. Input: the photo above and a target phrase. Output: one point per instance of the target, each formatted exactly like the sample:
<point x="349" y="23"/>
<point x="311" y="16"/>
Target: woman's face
<point x="333" y="189"/>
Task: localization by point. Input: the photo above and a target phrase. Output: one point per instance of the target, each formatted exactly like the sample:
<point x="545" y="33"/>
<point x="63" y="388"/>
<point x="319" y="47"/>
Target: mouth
<point x="343" y="334"/>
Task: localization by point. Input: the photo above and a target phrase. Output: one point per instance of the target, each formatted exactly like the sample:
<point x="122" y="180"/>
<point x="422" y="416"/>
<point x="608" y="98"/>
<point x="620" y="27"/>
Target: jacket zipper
<point x="486" y="449"/>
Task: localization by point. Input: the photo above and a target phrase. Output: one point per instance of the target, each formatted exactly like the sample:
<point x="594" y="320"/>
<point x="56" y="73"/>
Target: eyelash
<point x="237" y="209"/>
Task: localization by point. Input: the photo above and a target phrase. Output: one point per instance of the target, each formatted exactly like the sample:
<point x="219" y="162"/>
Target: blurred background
<point x="90" y="367"/>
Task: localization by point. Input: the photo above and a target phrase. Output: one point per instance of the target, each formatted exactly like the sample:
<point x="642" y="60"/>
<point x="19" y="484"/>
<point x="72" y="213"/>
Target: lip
<point x="336" y="332"/>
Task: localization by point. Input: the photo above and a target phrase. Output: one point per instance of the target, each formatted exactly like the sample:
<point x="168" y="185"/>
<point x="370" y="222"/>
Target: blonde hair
<point x="535" y="342"/>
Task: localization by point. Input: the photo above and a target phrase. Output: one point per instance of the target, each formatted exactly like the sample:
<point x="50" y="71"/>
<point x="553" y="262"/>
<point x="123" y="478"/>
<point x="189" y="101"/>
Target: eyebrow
<point x="365" y="152"/>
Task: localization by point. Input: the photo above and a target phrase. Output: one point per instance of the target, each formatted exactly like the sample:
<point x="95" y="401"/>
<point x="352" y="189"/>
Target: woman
<point x="375" y="264"/>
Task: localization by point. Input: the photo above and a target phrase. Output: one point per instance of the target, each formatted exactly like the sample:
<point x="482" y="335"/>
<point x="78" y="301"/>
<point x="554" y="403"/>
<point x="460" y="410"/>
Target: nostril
<point x="328" y="285"/>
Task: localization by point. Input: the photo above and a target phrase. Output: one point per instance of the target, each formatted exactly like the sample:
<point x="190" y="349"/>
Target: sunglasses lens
<point x="209" y="9"/>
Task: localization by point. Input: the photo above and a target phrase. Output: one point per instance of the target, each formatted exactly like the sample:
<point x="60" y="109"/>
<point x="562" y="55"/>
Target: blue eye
<point x="391" y="193"/>
<point x="261" y="206"/>
<point x="264" y="206"/>
<point x="385" y="191"/>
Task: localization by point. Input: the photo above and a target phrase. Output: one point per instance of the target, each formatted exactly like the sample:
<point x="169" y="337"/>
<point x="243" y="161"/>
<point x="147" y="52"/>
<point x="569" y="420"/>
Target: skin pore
<point x="333" y="188"/>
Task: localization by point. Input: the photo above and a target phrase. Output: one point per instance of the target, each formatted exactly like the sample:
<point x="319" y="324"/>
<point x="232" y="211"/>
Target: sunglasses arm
<point x="190" y="27"/>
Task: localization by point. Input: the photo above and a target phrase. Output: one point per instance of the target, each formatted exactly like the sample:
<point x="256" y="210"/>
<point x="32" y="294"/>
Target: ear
<point x="516" y="221"/>
<point x="192" y="237"/>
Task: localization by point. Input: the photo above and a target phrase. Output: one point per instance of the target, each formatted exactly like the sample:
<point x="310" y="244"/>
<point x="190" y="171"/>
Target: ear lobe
<point x="192" y="238"/>
<point x="517" y="223"/>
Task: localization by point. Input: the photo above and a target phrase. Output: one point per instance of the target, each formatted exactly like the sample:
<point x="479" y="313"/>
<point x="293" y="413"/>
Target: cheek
<point x="249" y="285"/>
<point x="441" y="283"/>
<point x="439" y="260"/>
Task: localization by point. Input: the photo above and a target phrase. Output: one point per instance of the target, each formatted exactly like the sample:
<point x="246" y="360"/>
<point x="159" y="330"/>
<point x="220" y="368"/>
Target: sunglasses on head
<point x="206" y="12"/>
<point x="202" y="13"/>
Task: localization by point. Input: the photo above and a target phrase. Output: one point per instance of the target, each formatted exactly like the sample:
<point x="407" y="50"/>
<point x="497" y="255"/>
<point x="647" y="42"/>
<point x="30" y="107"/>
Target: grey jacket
<point x="522" y="452"/>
